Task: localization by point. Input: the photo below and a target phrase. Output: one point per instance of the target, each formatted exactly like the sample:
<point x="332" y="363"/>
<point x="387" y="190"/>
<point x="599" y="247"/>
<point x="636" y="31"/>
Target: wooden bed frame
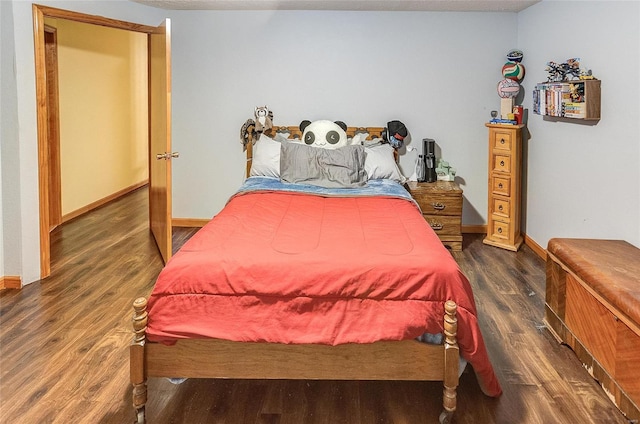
<point x="215" y="358"/>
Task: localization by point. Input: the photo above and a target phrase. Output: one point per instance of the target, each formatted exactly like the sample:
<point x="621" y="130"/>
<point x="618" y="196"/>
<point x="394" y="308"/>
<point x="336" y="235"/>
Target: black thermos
<point x="429" y="155"/>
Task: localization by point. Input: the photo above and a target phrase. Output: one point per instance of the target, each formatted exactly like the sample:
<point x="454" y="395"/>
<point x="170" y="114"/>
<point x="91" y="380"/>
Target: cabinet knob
<point x="499" y="185"/>
<point x="502" y="141"/>
<point x="500" y="208"/>
<point x="501" y="163"/>
<point x="500" y="230"/>
<point x="438" y="206"/>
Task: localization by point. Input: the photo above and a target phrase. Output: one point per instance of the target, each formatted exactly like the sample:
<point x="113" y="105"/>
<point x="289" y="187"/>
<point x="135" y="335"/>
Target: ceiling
<point x="358" y="5"/>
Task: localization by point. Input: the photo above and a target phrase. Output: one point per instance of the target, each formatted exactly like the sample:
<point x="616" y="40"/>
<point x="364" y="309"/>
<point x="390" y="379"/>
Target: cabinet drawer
<point x="501" y="206"/>
<point x="501" y="163"/>
<point x="501" y="185"/>
<point x="500" y="230"/>
<point x="436" y="204"/>
<point x="502" y="140"/>
<point x="444" y="225"/>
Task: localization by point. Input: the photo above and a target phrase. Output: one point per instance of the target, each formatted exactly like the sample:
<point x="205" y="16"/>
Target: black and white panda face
<point x="324" y="134"/>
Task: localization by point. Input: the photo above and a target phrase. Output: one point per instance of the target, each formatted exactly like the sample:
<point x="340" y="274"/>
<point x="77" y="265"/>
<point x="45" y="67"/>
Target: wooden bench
<point x="593" y="305"/>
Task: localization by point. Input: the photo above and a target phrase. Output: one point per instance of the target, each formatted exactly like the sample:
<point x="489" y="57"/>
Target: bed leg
<point x="451" y="361"/>
<point x="136" y="358"/>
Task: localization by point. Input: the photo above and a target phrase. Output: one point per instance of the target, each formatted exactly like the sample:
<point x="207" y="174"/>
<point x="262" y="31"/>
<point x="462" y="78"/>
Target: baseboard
<point x="474" y="229"/>
<point x="94" y="205"/>
<point x="189" y="222"/>
<point x="482" y="229"/>
<point x="10" y="282"/>
<point x="537" y="249"/>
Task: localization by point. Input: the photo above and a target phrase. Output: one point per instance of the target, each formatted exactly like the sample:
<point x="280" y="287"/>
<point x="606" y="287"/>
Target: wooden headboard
<point x="295" y="133"/>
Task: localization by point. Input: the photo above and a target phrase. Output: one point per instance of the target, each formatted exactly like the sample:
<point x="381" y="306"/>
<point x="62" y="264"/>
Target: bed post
<point x="451" y="360"/>
<point x="136" y="358"/>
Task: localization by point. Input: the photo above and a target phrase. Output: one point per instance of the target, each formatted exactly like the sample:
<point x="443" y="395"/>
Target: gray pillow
<point x="342" y="167"/>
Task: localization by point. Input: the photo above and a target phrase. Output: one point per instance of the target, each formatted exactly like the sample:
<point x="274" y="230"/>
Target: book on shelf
<point x="503" y="121"/>
<point x="554" y="99"/>
<point x="574" y="110"/>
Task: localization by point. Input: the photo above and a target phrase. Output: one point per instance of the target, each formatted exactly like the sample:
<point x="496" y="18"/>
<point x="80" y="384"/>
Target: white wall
<point x="584" y="181"/>
<point x="435" y="71"/>
<point x="10" y="256"/>
<point x="4" y="51"/>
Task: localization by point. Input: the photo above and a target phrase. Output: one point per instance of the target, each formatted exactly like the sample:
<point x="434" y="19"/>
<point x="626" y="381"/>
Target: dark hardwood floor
<point x="64" y="347"/>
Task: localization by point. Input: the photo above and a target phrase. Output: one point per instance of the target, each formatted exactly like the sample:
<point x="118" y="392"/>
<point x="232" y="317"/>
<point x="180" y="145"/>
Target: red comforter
<point x="296" y="268"/>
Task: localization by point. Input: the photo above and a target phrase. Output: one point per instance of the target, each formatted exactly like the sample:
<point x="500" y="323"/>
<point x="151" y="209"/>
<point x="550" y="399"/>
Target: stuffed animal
<point x="324" y="134"/>
<point x="264" y="119"/>
<point x="394" y="133"/>
<point x="248" y="133"/>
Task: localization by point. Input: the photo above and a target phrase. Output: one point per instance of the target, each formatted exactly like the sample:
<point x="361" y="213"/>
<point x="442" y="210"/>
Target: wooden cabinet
<point x="593" y="306"/>
<point x="441" y="205"/>
<point x="568" y="99"/>
<point x="505" y="179"/>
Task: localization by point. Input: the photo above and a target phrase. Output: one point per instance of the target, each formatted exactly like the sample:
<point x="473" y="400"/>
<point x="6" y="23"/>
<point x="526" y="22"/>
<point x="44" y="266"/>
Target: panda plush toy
<point x="324" y="134"/>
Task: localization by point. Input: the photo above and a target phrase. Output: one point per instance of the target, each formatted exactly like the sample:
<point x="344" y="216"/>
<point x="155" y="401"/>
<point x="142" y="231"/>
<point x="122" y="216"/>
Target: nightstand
<point x="441" y="204"/>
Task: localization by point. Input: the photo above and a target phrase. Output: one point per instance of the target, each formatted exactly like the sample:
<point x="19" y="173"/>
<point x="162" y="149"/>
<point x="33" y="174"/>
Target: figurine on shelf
<point x="585" y="74"/>
<point x="444" y="171"/>
<point x="555" y="72"/>
<point x="567" y="71"/>
<point x="576" y="92"/>
<point x="573" y="68"/>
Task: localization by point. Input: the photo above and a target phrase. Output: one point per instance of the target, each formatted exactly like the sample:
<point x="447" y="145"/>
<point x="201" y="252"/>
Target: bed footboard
<point x="210" y="358"/>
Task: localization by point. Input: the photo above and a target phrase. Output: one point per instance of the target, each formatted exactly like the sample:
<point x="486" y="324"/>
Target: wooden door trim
<point x="39" y="14"/>
<point x="53" y="132"/>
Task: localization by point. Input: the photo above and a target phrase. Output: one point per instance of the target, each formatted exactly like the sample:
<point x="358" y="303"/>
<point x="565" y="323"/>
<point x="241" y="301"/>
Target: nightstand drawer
<point x="501" y="206"/>
<point x="501" y="185"/>
<point x="444" y="225"/>
<point x="502" y="140"/>
<point x="501" y="163"/>
<point x="439" y="204"/>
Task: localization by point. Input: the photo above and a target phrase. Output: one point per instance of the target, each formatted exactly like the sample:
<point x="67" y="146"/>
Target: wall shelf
<point x="579" y="99"/>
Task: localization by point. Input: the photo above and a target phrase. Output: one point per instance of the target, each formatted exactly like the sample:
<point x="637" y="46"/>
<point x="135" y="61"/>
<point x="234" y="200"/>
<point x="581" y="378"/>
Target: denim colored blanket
<point x="387" y="188"/>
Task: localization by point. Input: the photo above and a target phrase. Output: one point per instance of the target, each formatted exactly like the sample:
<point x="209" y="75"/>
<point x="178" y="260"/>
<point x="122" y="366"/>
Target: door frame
<point x="53" y="127"/>
<point x="44" y="183"/>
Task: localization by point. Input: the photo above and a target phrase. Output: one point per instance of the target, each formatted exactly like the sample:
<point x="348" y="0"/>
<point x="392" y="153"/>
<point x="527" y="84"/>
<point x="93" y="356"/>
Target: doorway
<point x="97" y="115"/>
<point x="46" y="151"/>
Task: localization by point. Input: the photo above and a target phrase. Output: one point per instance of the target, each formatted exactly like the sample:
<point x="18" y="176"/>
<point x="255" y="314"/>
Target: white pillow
<point x="381" y="163"/>
<point x="266" y="158"/>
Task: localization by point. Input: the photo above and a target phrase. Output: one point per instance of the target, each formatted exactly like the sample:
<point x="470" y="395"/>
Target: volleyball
<point x="508" y="88"/>
<point x="513" y="70"/>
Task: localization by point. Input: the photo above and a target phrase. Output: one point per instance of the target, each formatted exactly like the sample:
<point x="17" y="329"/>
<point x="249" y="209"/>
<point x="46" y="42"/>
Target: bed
<point x="295" y="281"/>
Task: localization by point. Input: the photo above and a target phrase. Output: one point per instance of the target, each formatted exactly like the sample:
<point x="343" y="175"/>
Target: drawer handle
<point x="501" y="163"/>
<point x="438" y="206"/>
<point x="499" y="185"/>
<point x="436" y="226"/>
<point x="502" y="141"/>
